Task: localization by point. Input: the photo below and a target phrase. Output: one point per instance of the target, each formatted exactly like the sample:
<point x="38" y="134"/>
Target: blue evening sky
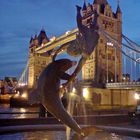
<point x="20" y="19"/>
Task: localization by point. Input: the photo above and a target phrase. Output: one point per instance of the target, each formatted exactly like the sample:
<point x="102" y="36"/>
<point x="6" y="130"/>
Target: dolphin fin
<point x="34" y="97"/>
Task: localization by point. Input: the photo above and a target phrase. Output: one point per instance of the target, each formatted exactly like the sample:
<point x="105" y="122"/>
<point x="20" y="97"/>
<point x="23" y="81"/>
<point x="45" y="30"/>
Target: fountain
<point x="47" y="93"/>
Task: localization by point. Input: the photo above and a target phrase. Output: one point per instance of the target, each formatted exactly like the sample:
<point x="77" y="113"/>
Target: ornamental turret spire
<point x="84" y="6"/>
<point x="31" y="39"/>
<point x="118" y="7"/>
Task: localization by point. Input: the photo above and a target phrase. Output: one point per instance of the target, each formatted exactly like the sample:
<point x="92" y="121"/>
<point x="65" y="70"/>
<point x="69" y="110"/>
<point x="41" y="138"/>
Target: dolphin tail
<point x="33" y="97"/>
<point x="91" y="130"/>
<point x="57" y="109"/>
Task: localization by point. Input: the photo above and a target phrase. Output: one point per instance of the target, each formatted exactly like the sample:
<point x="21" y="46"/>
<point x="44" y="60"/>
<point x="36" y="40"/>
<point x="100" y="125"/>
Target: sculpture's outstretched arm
<point x="77" y="70"/>
<point x="64" y="76"/>
<point x="60" y="49"/>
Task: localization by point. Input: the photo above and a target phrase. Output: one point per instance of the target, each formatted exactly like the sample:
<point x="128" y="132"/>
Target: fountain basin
<point x="124" y="131"/>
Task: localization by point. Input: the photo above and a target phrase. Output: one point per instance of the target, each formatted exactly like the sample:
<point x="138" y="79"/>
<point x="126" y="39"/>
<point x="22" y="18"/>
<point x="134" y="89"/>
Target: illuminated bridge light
<point x="85" y="93"/>
<point x="136" y="96"/>
<point x="53" y="39"/>
<point x="24" y="95"/>
<point x="22" y="84"/>
<point x="67" y="32"/>
<point x="74" y="90"/>
<point x="110" y="44"/>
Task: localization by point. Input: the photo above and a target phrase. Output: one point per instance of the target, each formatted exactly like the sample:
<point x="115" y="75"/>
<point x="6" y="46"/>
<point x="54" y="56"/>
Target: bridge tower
<point x="105" y="63"/>
<point x="37" y="61"/>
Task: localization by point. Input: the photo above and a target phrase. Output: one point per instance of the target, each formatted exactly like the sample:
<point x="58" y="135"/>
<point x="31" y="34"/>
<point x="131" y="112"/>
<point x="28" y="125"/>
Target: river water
<point x="47" y="135"/>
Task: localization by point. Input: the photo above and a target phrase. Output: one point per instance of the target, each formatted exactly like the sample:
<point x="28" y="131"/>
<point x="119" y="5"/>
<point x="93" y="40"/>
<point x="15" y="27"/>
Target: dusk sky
<point x="21" y="19"/>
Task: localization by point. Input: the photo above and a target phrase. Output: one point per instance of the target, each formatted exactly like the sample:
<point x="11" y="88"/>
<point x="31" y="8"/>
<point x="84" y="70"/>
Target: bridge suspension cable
<point x="131" y="46"/>
<point x="115" y="41"/>
<point x="24" y="76"/>
<point x="130" y="41"/>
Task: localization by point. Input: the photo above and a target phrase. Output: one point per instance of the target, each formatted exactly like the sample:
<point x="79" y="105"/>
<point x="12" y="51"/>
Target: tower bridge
<point x="65" y="38"/>
<point x="107" y="63"/>
<point x="94" y="69"/>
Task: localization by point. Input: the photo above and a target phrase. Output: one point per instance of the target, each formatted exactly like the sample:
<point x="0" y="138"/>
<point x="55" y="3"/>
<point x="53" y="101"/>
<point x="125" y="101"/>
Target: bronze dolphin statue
<point x="48" y="88"/>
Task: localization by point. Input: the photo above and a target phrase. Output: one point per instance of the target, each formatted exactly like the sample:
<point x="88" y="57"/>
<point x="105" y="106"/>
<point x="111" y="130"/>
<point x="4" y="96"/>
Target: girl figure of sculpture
<point x="86" y="41"/>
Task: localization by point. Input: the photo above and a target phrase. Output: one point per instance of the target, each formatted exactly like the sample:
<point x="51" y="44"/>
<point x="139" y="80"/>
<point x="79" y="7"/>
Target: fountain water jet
<point x="70" y="110"/>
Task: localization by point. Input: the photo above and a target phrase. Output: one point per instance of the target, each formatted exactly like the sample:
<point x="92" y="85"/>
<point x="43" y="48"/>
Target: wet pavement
<point x="48" y="135"/>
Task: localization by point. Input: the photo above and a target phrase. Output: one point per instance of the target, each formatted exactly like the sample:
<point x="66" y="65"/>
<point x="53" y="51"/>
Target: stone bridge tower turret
<point x="105" y="63"/>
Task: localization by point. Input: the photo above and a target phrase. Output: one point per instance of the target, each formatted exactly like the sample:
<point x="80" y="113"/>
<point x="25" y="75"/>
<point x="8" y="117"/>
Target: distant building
<point x="37" y="62"/>
<point x="1" y="83"/>
<point x="7" y="85"/>
<point x="2" y="87"/>
<point x="10" y="81"/>
<point x="105" y="63"/>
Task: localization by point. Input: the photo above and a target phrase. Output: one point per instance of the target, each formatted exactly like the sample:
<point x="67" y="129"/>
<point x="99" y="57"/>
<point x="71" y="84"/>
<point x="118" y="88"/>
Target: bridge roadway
<point x="65" y="38"/>
<point x="70" y="36"/>
<point x="123" y="85"/>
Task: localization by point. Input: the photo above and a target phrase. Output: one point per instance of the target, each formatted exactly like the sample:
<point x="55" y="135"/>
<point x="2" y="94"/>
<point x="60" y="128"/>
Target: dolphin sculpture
<point x="48" y="88"/>
<point x="85" y="43"/>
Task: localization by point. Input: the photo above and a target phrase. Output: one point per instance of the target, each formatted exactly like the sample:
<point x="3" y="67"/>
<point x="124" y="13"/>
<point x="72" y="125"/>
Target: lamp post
<point x="107" y="64"/>
<point x="115" y="64"/>
<point x="124" y="62"/>
<point x="138" y="60"/>
<point x="135" y="64"/>
<point x="109" y="44"/>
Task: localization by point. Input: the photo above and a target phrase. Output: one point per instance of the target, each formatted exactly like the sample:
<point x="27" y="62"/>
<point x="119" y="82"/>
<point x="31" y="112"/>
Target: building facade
<point x="105" y="63"/>
<point x="37" y="62"/>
